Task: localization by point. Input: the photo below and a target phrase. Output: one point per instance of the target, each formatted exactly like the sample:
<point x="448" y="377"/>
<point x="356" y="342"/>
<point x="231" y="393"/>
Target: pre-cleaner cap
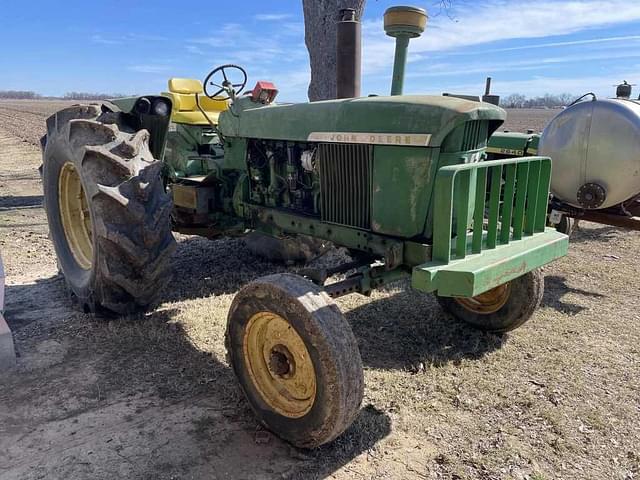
<point x="404" y="20"/>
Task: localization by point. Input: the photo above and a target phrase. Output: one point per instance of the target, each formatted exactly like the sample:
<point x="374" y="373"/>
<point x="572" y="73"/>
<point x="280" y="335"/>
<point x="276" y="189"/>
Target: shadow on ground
<point x="169" y="409"/>
<point x="11" y="202"/>
<point x="399" y="331"/>
<point x="555" y="290"/>
<point x="603" y="233"/>
<point x="409" y="330"/>
<point x="135" y="398"/>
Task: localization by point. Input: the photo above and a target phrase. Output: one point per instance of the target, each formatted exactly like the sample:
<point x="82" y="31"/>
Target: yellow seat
<point x="182" y="92"/>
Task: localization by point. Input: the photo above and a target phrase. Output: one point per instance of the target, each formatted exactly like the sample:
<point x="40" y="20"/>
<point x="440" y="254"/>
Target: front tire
<point x="107" y="209"/>
<point x="501" y="309"/>
<point x="296" y="359"/>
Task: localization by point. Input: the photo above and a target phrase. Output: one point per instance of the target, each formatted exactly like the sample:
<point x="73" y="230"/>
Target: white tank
<point x="595" y="148"/>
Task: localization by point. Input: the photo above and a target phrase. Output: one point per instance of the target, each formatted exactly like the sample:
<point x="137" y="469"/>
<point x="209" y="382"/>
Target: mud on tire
<point x="296" y="305"/>
<point x="114" y="244"/>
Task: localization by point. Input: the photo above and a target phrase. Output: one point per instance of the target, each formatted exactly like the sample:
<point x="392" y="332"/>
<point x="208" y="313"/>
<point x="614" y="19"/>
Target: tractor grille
<point x="471" y="135"/>
<point x="345" y="184"/>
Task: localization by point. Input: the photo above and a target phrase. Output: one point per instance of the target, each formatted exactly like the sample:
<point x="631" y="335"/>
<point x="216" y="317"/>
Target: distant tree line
<point x="18" y="94"/>
<point x="29" y="95"/>
<point x="517" y="100"/>
<point x="91" y="96"/>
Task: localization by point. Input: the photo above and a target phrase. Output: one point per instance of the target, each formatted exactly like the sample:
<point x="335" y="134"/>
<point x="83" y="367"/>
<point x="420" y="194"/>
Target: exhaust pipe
<point x="488" y="97"/>
<point x="403" y="24"/>
<point x="349" y="54"/>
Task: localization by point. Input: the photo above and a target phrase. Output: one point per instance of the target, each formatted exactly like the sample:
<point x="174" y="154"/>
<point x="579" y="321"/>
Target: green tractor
<point x="399" y="181"/>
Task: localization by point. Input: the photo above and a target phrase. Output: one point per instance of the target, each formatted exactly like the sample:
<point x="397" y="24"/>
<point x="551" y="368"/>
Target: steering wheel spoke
<point x="231" y="89"/>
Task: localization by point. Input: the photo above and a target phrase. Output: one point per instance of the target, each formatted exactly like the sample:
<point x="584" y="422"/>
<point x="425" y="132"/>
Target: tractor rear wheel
<point x="296" y="359"/>
<point x="501" y="309"/>
<point x="107" y="209"/>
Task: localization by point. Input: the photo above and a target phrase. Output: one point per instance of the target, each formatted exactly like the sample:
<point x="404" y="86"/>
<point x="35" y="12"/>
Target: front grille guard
<point x="479" y="206"/>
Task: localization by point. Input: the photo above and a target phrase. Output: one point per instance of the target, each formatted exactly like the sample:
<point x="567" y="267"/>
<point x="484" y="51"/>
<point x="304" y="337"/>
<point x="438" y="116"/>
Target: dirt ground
<point x="154" y="398"/>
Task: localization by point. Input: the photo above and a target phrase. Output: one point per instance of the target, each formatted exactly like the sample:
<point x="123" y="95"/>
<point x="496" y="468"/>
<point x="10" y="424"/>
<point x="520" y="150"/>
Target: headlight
<point x="143" y="105"/>
<point x="161" y="107"/>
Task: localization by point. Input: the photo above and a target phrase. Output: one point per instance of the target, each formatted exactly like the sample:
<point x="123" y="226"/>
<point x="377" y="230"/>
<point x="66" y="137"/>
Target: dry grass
<point x="153" y="397"/>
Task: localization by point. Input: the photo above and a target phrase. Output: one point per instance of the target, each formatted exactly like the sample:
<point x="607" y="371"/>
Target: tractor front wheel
<point x="501" y="309"/>
<point x="107" y="209"/>
<point x="296" y="359"/>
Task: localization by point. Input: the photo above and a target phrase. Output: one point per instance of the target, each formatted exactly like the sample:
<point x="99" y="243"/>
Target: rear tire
<point x="107" y="209"/>
<point x="296" y="359"/>
<point x="499" y="311"/>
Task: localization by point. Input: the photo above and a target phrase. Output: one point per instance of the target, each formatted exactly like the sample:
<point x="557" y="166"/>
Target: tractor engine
<point x="284" y="174"/>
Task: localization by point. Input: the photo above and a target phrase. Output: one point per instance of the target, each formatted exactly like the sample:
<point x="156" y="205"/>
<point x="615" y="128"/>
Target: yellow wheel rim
<point x="487" y="302"/>
<point x="74" y="212"/>
<point x="279" y="365"/>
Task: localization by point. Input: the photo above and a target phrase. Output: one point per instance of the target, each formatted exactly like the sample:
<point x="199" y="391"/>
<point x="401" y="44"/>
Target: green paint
<point x="512" y="144"/>
<point x="478" y="273"/>
<point x="399" y="64"/>
<point x="478" y="213"/>
<point x="400" y="194"/>
<point x="470" y="252"/>
<point x="425" y="204"/>
<point x="419" y="114"/>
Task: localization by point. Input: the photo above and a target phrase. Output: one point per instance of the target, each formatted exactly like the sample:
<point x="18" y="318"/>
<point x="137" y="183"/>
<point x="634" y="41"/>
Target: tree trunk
<point x="320" y="18"/>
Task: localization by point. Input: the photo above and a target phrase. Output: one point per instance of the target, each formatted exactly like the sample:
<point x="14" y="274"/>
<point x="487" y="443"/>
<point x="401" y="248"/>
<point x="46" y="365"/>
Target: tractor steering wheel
<point x="225" y="85"/>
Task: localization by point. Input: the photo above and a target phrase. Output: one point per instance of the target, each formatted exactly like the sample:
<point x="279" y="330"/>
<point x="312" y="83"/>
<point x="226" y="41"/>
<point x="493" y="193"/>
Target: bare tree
<point x="515" y="100"/>
<point x="320" y="18"/>
<point x="548" y="100"/>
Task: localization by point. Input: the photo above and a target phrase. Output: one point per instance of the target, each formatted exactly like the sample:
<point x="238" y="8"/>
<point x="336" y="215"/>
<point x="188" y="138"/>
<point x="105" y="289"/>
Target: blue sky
<point x="529" y="47"/>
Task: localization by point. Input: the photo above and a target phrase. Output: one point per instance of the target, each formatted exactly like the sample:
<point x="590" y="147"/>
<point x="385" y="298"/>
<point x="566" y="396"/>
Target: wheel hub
<point x="279" y="364"/>
<point x="488" y="302"/>
<point x="75" y="215"/>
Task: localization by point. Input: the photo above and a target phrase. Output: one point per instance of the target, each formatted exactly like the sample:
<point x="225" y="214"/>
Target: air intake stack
<point x="403" y="23"/>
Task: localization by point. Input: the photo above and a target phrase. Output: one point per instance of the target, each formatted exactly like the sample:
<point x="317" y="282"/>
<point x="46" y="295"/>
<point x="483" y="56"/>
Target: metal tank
<point x="595" y="147"/>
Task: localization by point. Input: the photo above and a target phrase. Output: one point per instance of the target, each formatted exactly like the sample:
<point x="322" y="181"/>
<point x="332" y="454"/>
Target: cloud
<point x="128" y="37"/>
<point x="446" y="69"/>
<point x="272" y="17"/>
<point x="195" y="50"/>
<point x="499" y="20"/>
<point x="568" y="43"/>
<point x="148" y="68"/>
<point x="104" y="41"/>
<point x="249" y="49"/>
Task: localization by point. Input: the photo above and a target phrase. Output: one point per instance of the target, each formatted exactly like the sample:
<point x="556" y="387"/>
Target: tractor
<point x="402" y="182"/>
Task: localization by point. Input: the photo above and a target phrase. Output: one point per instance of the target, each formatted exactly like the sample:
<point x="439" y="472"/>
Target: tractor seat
<point x="182" y="92"/>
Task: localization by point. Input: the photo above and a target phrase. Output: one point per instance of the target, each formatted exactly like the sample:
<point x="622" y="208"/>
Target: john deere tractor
<point x="401" y="181"/>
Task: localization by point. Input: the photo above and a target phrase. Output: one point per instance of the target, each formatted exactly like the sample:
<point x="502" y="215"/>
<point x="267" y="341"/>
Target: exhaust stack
<point x="403" y="23"/>
<point x="348" y="58"/>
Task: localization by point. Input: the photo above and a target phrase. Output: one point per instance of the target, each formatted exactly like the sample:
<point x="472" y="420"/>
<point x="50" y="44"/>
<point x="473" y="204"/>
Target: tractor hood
<point x="431" y="117"/>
